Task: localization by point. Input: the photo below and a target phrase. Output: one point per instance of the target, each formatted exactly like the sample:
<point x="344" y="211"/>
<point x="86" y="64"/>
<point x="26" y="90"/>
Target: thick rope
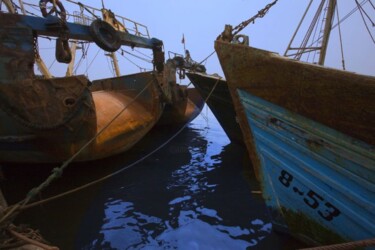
<point x="118" y="171"/>
<point x="345" y="246"/>
<point x="57" y="172"/>
<point x="31" y="241"/>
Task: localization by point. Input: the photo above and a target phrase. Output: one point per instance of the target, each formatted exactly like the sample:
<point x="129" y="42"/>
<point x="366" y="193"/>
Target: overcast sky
<point x="201" y="21"/>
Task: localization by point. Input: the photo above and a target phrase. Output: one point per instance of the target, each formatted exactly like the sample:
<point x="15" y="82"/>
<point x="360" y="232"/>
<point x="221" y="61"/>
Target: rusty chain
<point x="36" y="47"/>
<point x="260" y="14"/>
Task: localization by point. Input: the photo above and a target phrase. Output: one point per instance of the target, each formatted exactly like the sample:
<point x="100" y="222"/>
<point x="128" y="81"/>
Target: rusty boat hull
<point x="53" y="119"/>
<point x="184" y="110"/>
<point x="219" y="102"/>
<point x="46" y="119"/>
<point x="310" y="134"/>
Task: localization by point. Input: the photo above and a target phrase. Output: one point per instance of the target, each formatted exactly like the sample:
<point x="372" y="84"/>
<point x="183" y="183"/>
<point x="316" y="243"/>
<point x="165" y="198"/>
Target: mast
<point x="309" y="43"/>
<point x="327" y="30"/>
<point x="298" y="27"/>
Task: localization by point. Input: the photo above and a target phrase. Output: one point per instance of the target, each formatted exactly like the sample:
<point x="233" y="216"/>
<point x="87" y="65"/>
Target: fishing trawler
<point x="219" y="102"/>
<point x="310" y="134"/>
<point x="51" y="119"/>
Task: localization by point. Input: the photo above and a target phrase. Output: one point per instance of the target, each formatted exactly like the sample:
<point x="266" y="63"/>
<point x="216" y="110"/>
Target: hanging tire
<point x="105" y="36"/>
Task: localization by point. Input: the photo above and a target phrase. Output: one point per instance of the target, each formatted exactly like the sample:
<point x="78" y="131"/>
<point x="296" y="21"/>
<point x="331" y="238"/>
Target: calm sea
<point x="198" y="191"/>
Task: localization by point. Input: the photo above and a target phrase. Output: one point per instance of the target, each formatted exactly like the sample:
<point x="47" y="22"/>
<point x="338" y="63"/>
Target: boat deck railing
<point x="85" y="14"/>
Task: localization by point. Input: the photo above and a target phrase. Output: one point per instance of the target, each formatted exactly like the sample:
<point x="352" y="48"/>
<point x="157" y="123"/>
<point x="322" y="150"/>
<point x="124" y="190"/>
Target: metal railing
<point x="85" y="15"/>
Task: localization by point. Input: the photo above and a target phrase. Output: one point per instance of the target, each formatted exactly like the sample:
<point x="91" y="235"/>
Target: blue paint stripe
<point x="321" y="160"/>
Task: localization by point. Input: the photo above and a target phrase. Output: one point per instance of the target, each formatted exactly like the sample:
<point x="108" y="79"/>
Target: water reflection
<point x="192" y="195"/>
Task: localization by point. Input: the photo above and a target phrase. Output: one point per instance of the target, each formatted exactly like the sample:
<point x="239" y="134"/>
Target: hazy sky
<point x="202" y="21"/>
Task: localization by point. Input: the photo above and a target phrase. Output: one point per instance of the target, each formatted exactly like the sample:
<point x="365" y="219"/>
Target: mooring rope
<point x="345" y="246"/>
<point x="27" y="239"/>
<point x="57" y="172"/>
<point x="118" y="171"/>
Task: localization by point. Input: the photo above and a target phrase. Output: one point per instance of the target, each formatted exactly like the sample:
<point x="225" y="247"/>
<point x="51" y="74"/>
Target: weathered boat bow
<point x="310" y="133"/>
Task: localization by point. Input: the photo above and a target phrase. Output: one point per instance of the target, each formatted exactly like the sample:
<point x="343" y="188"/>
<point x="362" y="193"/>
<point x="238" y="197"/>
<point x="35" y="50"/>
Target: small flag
<point x="183" y="39"/>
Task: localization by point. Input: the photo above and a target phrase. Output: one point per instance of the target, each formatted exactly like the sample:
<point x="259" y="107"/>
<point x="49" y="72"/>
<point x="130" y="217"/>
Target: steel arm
<point x="80" y="32"/>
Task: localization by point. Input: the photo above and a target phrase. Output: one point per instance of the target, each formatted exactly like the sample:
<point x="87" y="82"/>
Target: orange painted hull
<point x="115" y="105"/>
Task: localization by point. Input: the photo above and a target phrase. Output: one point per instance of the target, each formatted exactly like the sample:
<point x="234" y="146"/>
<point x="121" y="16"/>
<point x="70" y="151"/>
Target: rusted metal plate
<point x="61" y="120"/>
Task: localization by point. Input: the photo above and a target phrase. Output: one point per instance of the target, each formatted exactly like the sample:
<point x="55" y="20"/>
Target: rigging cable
<point x="309" y="31"/>
<point x="362" y="10"/>
<point x="372" y="4"/>
<point x="349" y="14"/>
<point x="364" y="20"/>
<point x="88" y="67"/>
<point x="124" y="51"/>
<point x="341" y="45"/>
<point x="110" y="67"/>
<point x="343" y="19"/>
<point x="143" y="54"/>
<point x="140" y="68"/>
<point x="84" y="55"/>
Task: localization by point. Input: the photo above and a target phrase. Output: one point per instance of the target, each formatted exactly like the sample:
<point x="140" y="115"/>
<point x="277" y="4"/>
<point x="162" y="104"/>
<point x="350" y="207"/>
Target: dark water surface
<point x="194" y="193"/>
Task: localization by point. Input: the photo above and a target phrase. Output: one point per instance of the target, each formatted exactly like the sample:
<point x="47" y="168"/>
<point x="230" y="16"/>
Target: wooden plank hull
<point x="220" y="103"/>
<point x="309" y="131"/>
<point x="320" y="181"/>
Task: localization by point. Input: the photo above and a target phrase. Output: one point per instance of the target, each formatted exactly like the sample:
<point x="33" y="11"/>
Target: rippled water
<point x="194" y="193"/>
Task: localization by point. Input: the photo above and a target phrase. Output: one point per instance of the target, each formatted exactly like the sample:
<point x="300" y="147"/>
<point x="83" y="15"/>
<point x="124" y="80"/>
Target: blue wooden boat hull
<point x="318" y="182"/>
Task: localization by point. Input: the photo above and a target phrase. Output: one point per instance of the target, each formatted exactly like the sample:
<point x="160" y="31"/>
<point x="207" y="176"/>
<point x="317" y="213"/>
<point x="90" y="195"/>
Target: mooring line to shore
<point x="57" y="172"/>
<point x="11" y="212"/>
<point x="118" y="171"/>
<point x="22" y="205"/>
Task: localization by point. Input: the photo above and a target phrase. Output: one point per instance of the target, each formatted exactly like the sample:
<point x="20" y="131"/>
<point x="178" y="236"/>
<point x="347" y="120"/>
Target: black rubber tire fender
<point x="105" y="36"/>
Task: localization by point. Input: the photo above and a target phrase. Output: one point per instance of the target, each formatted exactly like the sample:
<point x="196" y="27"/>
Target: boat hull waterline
<point x="319" y="180"/>
<point x="309" y="131"/>
<point x="30" y="141"/>
<point x="219" y="102"/>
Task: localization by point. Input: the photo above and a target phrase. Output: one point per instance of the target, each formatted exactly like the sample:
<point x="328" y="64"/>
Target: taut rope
<point x="57" y="172"/>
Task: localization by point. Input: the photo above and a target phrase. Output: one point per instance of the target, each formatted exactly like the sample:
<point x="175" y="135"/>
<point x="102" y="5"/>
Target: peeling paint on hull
<point x="309" y="131"/>
<point x="320" y="181"/>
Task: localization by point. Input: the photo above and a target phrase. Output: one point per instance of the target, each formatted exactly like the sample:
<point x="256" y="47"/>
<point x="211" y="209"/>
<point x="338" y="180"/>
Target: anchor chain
<point x="260" y="14"/>
<point x="36" y="47"/>
<point x="230" y="32"/>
